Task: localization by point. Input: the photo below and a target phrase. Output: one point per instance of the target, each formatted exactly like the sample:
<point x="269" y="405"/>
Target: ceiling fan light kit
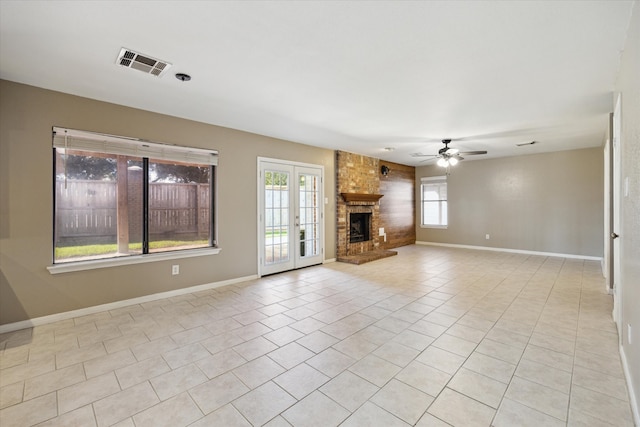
<point x="452" y="161"/>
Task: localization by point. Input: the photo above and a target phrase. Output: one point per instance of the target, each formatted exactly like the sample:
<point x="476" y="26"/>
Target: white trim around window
<point x="108" y="196"/>
<point x="129" y="260"/>
<point x="433" y="202"/>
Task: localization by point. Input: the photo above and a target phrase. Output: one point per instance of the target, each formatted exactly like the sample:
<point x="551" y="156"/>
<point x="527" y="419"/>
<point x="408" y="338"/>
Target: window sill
<point x="434" y="226"/>
<point x="129" y="260"/>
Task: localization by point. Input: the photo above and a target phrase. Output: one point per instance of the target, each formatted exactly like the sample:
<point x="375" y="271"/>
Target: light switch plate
<point x="626" y="186"/>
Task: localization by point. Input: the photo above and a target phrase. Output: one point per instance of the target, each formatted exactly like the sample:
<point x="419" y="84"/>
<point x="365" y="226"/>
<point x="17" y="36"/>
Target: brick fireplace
<point x="359" y="227"/>
<point x="389" y="199"/>
<point x="358" y="196"/>
<point x="350" y="234"/>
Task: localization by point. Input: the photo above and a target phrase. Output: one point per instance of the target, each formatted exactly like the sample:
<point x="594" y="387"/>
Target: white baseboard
<point x="632" y="395"/>
<point x="327" y="261"/>
<point x="515" y="251"/>
<point x="10" y="327"/>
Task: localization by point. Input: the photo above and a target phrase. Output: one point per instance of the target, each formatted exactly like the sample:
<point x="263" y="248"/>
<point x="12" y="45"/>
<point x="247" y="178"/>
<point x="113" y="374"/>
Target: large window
<point x="116" y="197"/>
<point x="434" y="201"/>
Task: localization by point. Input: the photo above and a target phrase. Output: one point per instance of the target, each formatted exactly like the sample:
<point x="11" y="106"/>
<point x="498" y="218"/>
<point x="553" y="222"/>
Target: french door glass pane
<point x="309" y="215"/>
<point x="276" y="239"/>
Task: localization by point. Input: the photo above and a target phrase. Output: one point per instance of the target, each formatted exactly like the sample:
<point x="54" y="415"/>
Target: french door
<point x="290" y="217"/>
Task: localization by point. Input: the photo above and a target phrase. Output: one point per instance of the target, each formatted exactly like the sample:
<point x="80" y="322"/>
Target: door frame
<point x="618" y="288"/>
<point x="607" y="260"/>
<point x="260" y="193"/>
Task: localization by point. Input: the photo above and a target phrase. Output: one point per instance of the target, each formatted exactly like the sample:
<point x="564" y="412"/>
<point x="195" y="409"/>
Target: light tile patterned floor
<point x="431" y="337"/>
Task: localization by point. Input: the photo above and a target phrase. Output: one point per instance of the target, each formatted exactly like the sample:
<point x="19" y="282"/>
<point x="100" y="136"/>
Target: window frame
<point x="431" y="180"/>
<point x="147" y="151"/>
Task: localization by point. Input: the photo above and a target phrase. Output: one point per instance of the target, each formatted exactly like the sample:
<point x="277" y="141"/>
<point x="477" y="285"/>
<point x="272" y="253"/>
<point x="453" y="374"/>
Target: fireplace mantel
<point x="361" y="197"/>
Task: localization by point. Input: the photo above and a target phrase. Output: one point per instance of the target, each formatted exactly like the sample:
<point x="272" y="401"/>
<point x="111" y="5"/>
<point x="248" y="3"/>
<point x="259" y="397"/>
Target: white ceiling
<point x="351" y="75"/>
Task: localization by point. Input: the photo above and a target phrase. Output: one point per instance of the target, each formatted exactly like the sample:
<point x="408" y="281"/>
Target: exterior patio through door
<point x="290" y="217"/>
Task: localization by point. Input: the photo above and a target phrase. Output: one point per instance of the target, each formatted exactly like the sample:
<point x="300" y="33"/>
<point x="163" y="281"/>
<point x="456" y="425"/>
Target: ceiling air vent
<point x="130" y="59"/>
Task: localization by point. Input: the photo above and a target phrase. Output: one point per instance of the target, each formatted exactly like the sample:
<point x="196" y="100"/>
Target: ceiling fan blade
<point x="473" y="153"/>
<point x="458" y="156"/>
<point x="422" y="155"/>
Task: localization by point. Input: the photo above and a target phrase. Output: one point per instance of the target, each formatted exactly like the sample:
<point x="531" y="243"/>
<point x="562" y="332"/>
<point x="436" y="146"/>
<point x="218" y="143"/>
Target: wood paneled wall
<point x="397" y="207"/>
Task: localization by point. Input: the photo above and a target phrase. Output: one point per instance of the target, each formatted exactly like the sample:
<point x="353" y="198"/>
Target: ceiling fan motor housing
<point x="446" y="146"/>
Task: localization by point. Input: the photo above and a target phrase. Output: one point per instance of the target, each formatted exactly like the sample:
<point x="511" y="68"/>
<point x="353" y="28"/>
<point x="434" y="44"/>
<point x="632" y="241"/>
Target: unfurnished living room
<point x="319" y="213"/>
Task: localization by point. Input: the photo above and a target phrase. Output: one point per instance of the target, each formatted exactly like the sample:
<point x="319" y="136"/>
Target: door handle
<point x="614" y="235"/>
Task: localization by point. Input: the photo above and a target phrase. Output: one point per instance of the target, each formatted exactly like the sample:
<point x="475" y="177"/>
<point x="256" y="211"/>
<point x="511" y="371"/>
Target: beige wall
<point x="27" y="114"/>
<point x="549" y="202"/>
<point x="628" y="85"/>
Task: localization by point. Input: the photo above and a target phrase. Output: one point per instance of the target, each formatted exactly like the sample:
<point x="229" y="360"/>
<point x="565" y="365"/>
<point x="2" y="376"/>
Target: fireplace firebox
<point x="359" y="227"/>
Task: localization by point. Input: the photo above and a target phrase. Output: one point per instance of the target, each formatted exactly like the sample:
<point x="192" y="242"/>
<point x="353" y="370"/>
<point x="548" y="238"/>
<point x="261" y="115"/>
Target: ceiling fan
<point x="449" y="156"/>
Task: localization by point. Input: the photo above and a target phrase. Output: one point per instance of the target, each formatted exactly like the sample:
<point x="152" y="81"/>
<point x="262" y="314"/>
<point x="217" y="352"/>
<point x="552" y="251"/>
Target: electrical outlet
<point x="175" y="269"/>
<point x="381" y="232"/>
<point x="486" y="236"/>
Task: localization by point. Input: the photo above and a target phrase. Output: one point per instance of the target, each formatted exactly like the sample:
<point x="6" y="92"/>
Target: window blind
<point x="434" y="188"/>
<point x="110" y="144"/>
<point x="433" y="179"/>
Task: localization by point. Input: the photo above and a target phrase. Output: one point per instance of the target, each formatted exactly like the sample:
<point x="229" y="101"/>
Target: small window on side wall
<point x="117" y="197"/>
<point x="433" y="197"/>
